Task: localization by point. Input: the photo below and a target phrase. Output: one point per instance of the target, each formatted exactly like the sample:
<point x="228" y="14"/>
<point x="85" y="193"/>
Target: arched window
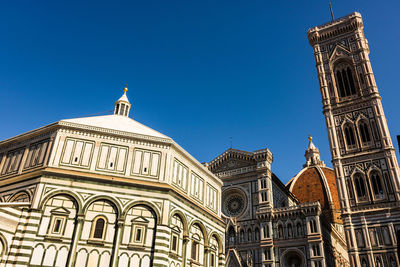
<point x="360" y="186"/>
<point x="99" y="227"/>
<point x="349" y="136"/>
<point x="364" y="132"/>
<point x="376" y="183"/>
<point x="344" y="80"/>
<point x="20" y="197"/>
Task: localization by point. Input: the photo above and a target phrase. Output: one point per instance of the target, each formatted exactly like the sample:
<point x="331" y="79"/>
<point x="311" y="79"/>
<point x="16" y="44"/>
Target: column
<point x="75" y="238"/>
<point x="206" y="251"/>
<point x="184" y="247"/>
<point x="119" y="230"/>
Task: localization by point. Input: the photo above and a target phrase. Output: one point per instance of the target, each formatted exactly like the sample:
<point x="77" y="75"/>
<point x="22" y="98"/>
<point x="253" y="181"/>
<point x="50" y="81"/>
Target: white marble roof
<point x="117" y="122"/>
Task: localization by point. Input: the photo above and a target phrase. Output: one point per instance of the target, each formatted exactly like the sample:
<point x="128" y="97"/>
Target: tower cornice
<point x="332" y="29"/>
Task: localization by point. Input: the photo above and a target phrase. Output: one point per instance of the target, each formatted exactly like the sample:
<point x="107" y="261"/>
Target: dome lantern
<point x="312" y="155"/>
<point x="122" y="105"/>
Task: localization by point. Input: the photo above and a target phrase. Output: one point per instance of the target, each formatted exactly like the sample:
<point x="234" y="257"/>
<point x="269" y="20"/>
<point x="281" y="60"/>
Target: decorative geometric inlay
<point x="123" y="200"/>
<point x="48" y="189"/>
<point x="158" y="204"/>
<point x="85" y="195"/>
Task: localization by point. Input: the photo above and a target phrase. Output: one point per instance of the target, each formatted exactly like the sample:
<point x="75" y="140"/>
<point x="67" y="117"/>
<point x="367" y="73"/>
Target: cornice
<point x="335" y="28"/>
<point x="113" y="132"/>
<point x="109" y="134"/>
<point x="254" y="157"/>
<point x="27" y="137"/>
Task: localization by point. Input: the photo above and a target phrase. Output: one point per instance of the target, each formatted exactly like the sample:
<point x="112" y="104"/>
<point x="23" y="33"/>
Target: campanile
<point x="363" y="156"/>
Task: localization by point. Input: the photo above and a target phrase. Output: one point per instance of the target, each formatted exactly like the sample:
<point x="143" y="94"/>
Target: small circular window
<point x="234" y="203"/>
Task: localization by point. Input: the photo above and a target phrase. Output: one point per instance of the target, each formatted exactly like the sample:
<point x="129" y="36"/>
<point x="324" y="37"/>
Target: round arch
<point x="74" y="197"/>
<point x="293" y="255"/>
<point x="202" y="228"/>
<point x="3" y="242"/>
<point x="182" y="217"/>
<point x="111" y="200"/>
<point x="149" y="205"/>
<point x="219" y="241"/>
<point x="16" y="194"/>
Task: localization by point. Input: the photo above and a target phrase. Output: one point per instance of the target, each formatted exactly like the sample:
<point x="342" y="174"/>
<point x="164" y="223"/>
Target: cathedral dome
<point x="316" y="182"/>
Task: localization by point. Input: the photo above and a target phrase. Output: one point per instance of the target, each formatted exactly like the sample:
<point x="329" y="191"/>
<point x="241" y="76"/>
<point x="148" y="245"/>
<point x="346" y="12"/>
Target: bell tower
<point x="363" y="156"/>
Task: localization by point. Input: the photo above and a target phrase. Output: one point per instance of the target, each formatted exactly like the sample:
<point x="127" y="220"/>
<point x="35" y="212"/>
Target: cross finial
<point x="309" y="137"/>
<point x="126" y="88"/>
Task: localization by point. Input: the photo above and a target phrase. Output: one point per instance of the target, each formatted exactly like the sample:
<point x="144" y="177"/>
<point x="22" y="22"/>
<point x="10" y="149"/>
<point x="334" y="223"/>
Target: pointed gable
<point x="339" y="51"/>
<point x="234" y="159"/>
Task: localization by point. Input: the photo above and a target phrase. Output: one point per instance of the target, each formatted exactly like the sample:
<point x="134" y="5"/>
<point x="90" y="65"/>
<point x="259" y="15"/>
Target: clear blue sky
<point x="198" y="71"/>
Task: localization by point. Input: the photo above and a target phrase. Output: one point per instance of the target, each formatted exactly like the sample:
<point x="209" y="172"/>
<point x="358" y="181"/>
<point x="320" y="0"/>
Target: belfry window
<point x="349" y="136"/>
<point x="360" y="186"/>
<point x="364" y="132"/>
<point x="376" y="184"/>
<point x="344" y="80"/>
